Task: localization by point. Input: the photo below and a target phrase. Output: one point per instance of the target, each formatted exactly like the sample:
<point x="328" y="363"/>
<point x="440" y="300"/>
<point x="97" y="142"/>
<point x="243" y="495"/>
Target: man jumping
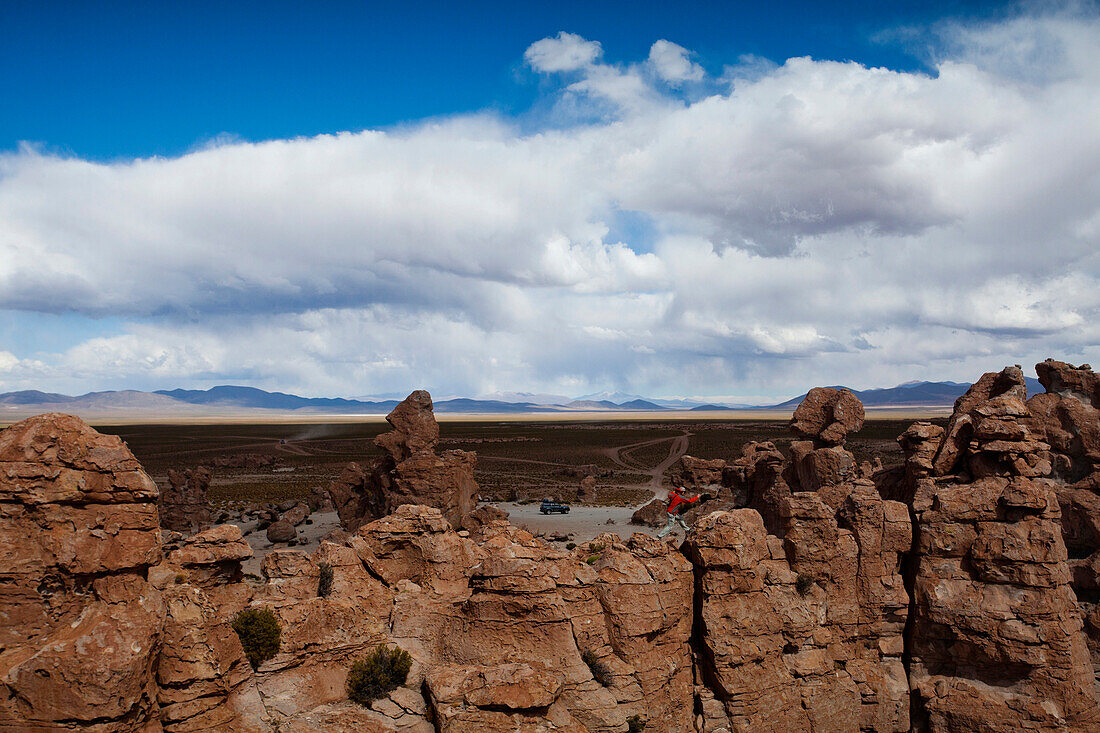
<point x="677" y="504"/>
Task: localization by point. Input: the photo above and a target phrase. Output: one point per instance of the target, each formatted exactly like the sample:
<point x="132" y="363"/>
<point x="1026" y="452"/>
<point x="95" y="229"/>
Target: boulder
<point x="281" y="531"/>
<point x="296" y="514"/>
<point x="650" y="515"/>
<point x="827" y="416"/>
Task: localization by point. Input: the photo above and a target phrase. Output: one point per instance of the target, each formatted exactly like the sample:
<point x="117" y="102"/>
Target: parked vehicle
<point x="552" y="507"/>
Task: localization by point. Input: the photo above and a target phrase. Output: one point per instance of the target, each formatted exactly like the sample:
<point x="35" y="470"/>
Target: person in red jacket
<point x="677" y="504"/>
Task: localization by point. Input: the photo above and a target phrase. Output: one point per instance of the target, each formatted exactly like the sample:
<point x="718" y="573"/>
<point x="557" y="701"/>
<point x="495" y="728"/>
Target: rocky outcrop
<point x="587" y="494"/>
<point x="819" y="462"/>
<point x="827" y="416"/>
<point x="807" y="601"/>
<point x="482" y="517"/>
<point x="410" y="472"/>
<point x="1066" y="417"/>
<point x="80" y="627"/>
<point x="996" y="641"/>
<point x="183" y="504"/>
<point x="803" y="633"/>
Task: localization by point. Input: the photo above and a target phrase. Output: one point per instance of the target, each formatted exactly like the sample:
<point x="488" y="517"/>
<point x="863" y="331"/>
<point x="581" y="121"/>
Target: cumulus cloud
<point x="808" y="222"/>
<point x="562" y="53"/>
<point x="672" y="63"/>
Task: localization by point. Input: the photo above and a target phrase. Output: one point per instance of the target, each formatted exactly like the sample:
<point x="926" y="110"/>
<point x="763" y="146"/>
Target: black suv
<point x="552" y="507"/>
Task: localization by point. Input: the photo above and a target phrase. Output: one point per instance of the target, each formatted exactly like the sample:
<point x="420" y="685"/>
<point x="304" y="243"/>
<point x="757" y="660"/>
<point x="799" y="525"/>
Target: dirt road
<point x="585" y="522"/>
<point x="623" y="455"/>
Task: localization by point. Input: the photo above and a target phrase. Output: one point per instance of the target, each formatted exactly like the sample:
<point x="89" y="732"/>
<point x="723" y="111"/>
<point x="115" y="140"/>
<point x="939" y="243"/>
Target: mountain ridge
<point x="236" y="397"/>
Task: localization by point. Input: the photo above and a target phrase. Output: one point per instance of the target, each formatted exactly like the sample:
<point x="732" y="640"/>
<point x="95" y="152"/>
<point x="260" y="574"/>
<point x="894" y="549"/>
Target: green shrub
<point x="596" y="547"/>
<point x="570" y="545"/>
<point x="324" y="582"/>
<point x="635" y="724"/>
<point x="383" y="670"/>
<point x="804" y="583"/>
<point x="600" y="671"/>
<point x="591" y="559"/>
<point x="259" y="631"/>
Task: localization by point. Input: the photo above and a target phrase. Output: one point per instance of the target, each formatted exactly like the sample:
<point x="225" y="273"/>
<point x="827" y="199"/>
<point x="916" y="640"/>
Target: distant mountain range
<point x="923" y="394"/>
<point x="232" y="399"/>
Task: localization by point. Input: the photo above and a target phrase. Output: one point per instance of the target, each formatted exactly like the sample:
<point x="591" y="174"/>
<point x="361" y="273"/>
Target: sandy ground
<point x="584" y="522"/>
<point x="309" y="538"/>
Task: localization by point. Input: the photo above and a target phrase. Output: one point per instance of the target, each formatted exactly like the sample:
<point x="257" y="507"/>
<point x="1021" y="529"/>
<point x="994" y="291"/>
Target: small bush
<point x="600" y="671"/>
<point x="385" y="669"/>
<point x="180" y="578"/>
<point x="596" y="547"/>
<point x="591" y="559"/>
<point x="804" y="583"/>
<point x="635" y="724"/>
<point x="570" y="545"/>
<point x="259" y="631"/>
<point x="324" y="582"/>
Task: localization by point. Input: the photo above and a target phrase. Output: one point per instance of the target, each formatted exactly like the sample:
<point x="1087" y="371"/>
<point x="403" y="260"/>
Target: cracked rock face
<point x="183" y="505"/>
<point x="79" y="625"/>
<point x="803" y="633"/>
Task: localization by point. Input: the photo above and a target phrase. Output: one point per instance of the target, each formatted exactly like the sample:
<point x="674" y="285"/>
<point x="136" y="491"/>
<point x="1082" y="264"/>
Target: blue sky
<point x="724" y="200"/>
<point x="111" y="80"/>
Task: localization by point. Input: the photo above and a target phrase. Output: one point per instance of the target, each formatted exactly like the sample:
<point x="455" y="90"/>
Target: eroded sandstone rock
<point x="827" y="416"/>
<point x="80" y="627"/>
<point x="410" y="472"/>
<point x="183" y="504"/>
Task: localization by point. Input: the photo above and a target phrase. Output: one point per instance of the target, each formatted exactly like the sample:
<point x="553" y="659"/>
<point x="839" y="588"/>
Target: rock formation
<point x="1067" y="418"/>
<point x="827" y="416"/>
<point x="936" y="597"/>
<point x="183" y="504"/>
<point x="410" y="472"/>
<point x="80" y="627"/>
<point x="587" y="493"/>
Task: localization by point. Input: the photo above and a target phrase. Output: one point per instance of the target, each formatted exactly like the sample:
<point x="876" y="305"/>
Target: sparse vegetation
<point x="527" y="458"/>
<point x="597" y="547"/>
<point x="591" y="559"/>
<point x="570" y="545"/>
<point x="635" y="724"/>
<point x="324" y="581"/>
<point x="804" y="583"/>
<point x="381" y="672"/>
<point x="180" y="578"/>
<point x="259" y="631"/>
<point x="600" y="671"/>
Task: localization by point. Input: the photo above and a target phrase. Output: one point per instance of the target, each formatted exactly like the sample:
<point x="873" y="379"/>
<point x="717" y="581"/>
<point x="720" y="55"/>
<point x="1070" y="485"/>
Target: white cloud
<point x="672" y="63"/>
<point x="562" y="53"/>
<point x="815" y="222"/>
